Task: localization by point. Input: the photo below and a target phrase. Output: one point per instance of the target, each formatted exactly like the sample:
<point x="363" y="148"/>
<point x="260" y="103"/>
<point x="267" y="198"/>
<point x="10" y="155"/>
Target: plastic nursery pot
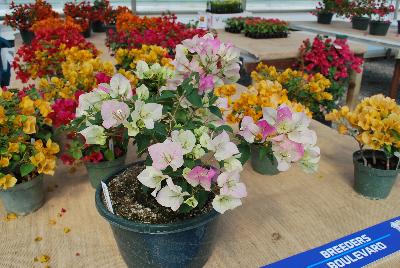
<point x="88" y="32"/>
<point x="187" y="243"/>
<point x="98" y="26"/>
<point x="398" y="26"/>
<point x="325" y="18"/>
<point x="378" y="27"/>
<point x="24" y="198"/>
<point x="360" y="23"/>
<point x="263" y="165"/>
<point x="371" y="182"/>
<point x="232" y="30"/>
<point x="27" y="36"/>
<point x="102" y="170"/>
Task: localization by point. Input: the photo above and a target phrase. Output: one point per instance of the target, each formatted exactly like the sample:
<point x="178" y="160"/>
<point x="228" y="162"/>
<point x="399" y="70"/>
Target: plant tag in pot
<point x="107" y="197"/>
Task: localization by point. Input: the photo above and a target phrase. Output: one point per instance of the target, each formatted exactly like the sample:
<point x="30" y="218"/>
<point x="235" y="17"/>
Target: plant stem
<point x="373" y="158"/>
<point x="362" y="154"/>
<point x="387" y="163"/>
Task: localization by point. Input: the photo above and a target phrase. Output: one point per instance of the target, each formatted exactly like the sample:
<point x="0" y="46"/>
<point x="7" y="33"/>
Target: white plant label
<point x="107" y="197"/>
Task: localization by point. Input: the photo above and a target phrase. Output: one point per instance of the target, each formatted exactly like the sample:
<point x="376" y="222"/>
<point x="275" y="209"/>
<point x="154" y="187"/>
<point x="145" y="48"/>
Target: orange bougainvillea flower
<point x="54" y="23"/>
<point x="30" y="125"/>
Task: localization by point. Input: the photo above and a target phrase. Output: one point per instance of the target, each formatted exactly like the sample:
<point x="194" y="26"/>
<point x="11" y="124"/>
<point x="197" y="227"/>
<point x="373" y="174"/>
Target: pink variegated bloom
<point x="200" y="175"/>
<point x="166" y="154"/>
<point x="266" y="129"/>
<point x="248" y="130"/>
<point x="286" y="152"/>
<point x="114" y="113"/>
<point x="206" y="83"/>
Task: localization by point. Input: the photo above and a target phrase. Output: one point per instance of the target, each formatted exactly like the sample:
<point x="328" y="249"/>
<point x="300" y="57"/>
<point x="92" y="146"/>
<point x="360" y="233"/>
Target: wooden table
<point x="391" y="40"/>
<point x="283" y="52"/>
<point x="282" y="215"/>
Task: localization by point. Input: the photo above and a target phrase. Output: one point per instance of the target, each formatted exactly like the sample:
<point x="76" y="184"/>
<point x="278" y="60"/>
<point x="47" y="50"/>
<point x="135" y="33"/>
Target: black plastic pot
<point x="27" y="36"/>
<point x="187" y="243"/>
<point x="325" y="18"/>
<point x="98" y="26"/>
<point x="267" y="35"/>
<point x="371" y="182"/>
<point x="88" y="32"/>
<point x="360" y="23"/>
<point x="378" y="27"/>
<point x="232" y="30"/>
<point x="398" y="26"/>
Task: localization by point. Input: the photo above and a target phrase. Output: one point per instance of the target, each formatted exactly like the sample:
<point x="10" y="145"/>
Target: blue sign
<point x="355" y="250"/>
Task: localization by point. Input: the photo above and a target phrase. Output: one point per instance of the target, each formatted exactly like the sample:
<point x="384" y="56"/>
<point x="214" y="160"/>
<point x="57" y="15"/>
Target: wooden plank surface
<point x="306" y="210"/>
<point x="276" y="48"/>
<point x="391" y="40"/>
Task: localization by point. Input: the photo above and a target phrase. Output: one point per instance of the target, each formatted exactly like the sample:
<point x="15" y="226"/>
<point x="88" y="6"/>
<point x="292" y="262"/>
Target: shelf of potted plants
<point x="236" y="24"/>
<point x="224" y="6"/>
<point x="375" y="169"/>
<point x="325" y="10"/>
<point x="26" y="149"/>
<point x="23" y="16"/>
<point x="260" y="28"/>
<point x="359" y="12"/>
<point x="381" y="17"/>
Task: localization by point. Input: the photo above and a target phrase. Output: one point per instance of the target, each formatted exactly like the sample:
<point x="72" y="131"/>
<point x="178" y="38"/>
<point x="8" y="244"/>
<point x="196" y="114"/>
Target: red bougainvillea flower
<point x="94" y="157"/>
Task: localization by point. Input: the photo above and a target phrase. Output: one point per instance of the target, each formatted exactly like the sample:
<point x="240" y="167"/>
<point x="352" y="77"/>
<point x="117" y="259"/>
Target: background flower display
<point x="26" y="148"/>
<point x="23" y="16"/>
<point x="165" y="31"/>
<point x="81" y="12"/>
<point x="236" y="24"/>
<point x="44" y="56"/>
<point x="311" y="90"/>
<point x="100" y="10"/>
<point x="112" y="14"/>
<point x="381" y="10"/>
<point x="265" y="28"/>
<point x="51" y="23"/>
<point x="224" y="6"/>
<point x="331" y="58"/>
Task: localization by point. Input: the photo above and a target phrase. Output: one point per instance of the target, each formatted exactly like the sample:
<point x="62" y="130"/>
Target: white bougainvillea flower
<point x="222" y="203"/>
<point x="248" y="129"/>
<point x="300" y="132"/>
<point x="152" y="178"/>
<point x="309" y="162"/>
<point x="223" y="147"/>
<point x="200" y="175"/>
<point x="148" y="113"/>
<point x="230" y="185"/>
<point x="142" y="92"/>
<point x="94" y="135"/>
<point x="114" y="113"/>
<point x="141" y="69"/>
<point x="287" y="152"/>
<point x="120" y="86"/>
<point x="90" y="100"/>
<point x="233" y="164"/>
<point x="166" y="154"/>
<point x="186" y="138"/>
<point x="171" y="195"/>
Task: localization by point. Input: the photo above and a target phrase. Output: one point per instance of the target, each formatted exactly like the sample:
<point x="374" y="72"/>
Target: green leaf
<point x="166" y="94"/>
<point x="215" y="110"/>
<point x="244" y="150"/>
<point x="224" y="127"/>
<point x="109" y="155"/>
<point x="76" y="154"/>
<point x="189" y="163"/>
<point x="195" y="99"/>
<point x="184" y="208"/>
<point x="202" y="197"/>
<point x="395" y="134"/>
<point x="142" y="142"/>
<point x="25" y="169"/>
<point x="160" y="129"/>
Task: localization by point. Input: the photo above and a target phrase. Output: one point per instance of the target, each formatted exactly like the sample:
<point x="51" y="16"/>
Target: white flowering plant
<point x="191" y="157"/>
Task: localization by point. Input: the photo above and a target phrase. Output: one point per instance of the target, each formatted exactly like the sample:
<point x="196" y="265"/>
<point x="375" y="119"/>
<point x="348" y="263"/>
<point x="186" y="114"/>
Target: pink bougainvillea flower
<point x="248" y="130"/>
<point x="266" y="129"/>
<point x="200" y="175"/>
<point x="206" y="83"/>
<point x="114" y="113"/>
<point x="287" y="152"/>
<point x="230" y="185"/>
<point x="102" y="78"/>
<point x="166" y="154"/>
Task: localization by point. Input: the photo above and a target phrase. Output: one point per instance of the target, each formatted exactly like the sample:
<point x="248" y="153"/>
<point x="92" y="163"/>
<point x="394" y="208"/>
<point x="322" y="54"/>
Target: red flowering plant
<point x="328" y="6"/>
<point x="381" y="10"/>
<point x="112" y="14"/>
<point x="81" y="12"/>
<point x="23" y="16"/>
<point x="332" y="58"/>
<point x="259" y="27"/>
<point x="356" y="8"/>
<point x="100" y="9"/>
<point x="47" y="52"/>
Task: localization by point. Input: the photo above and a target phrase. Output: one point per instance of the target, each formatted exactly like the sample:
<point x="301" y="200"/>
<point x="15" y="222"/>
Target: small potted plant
<point x="81" y="12"/>
<point x="100" y="9"/>
<point x="26" y="149"/>
<point x="224" y="6"/>
<point x="111" y="17"/>
<point x="191" y="171"/>
<point x="260" y="28"/>
<point x="359" y="12"/>
<point x="325" y="11"/>
<point x="23" y="16"/>
<point x="374" y="124"/>
<point x="236" y="24"/>
<point x="380" y="21"/>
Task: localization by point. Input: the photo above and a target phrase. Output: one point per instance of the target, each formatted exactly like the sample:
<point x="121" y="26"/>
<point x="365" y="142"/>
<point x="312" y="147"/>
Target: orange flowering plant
<point x="26" y="148"/>
<point x="56" y="23"/>
<point x="374" y="123"/>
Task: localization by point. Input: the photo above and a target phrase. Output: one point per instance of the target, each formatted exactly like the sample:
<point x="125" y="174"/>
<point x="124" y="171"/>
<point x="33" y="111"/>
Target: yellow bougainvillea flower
<point x="52" y="147"/>
<point x="4" y="161"/>
<point x="44" y="107"/>
<point x="13" y="147"/>
<point x="3" y="116"/>
<point x="27" y="106"/>
<point x="37" y="159"/>
<point x="30" y="125"/>
<point x="7" y="181"/>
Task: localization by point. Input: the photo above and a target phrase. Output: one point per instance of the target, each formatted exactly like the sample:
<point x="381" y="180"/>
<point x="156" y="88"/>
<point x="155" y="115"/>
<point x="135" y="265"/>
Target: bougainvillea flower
<point x="310" y="160"/>
<point x="266" y="129"/>
<point x="152" y="178"/>
<point x="166" y="154"/>
<point x="222" y="203"/>
<point x="286" y="152"/>
<point x="200" y="175"/>
<point x="223" y="147"/>
<point x="186" y="138"/>
<point x="171" y="195"/>
<point x="94" y="135"/>
<point x="230" y="185"/>
<point x="248" y="130"/>
<point x="120" y="86"/>
<point x="114" y="113"/>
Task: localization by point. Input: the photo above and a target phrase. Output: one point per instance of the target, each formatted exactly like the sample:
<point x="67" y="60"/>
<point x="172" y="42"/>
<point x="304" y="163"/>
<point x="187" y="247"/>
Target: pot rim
<point x="147" y="228"/>
<point x="24" y="185"/>
<point x="357" y="155"/>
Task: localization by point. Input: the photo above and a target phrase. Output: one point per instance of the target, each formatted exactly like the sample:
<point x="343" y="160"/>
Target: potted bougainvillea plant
<point x="277" y="129"/>
<point x="23" y="16"/>
<point x="163" y="211"/>
<point x="81" y="12"/>
<point x="100" y="9"/>
<point x="110" y="18"/>
<point x="26" y="149"/>
<point x="374" y="124"/>
<point x="380" y="21"/>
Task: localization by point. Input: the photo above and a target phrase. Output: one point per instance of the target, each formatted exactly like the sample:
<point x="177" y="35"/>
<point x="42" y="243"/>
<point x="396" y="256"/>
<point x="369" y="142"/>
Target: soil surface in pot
<point x="130" y="202"/>
<point x="380" y="163"/>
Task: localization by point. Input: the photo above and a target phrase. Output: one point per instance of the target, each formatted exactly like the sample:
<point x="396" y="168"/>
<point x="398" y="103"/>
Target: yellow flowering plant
<point x="26" y="148"/>
<point x="310" y="90"/>
<point x="374" y="123"/>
